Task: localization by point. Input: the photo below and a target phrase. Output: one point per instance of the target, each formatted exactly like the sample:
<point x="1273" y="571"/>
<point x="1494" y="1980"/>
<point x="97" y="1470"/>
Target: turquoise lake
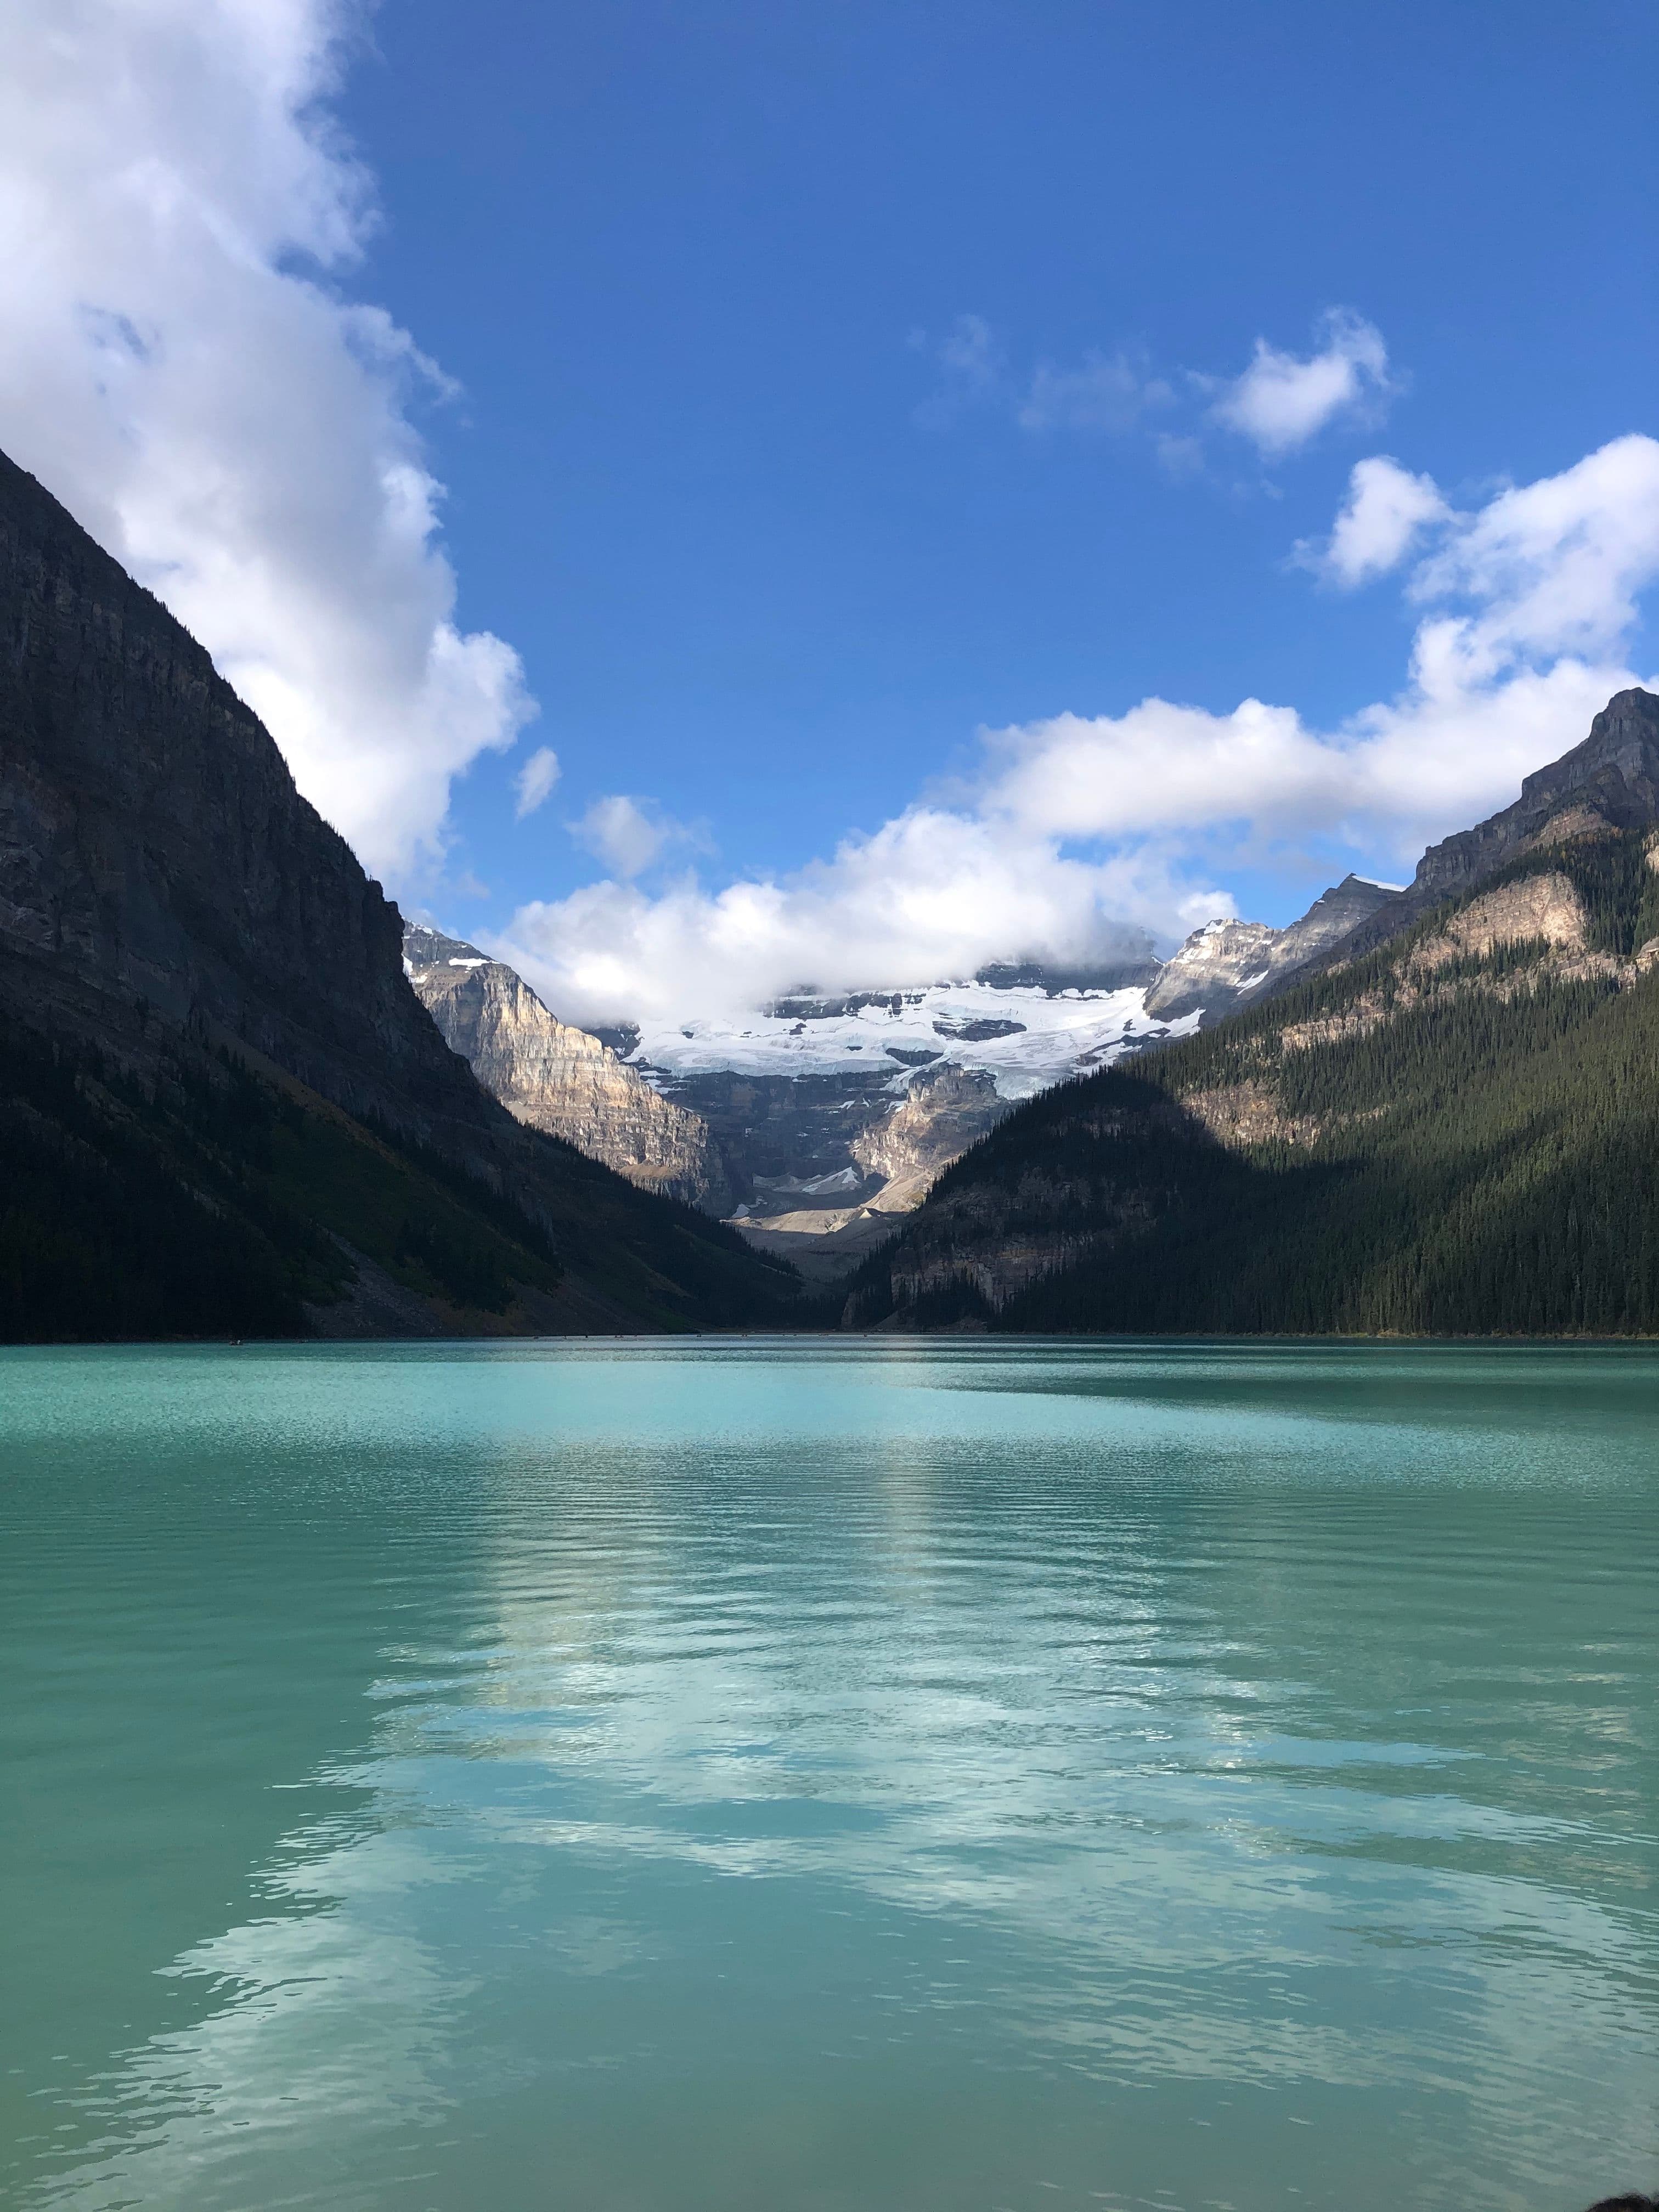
<point x="775" y="1776"/>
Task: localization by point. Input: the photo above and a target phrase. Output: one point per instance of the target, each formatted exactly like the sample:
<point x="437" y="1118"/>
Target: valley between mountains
<point x="241" y="1095"/>
<point x="816" y="1122"/>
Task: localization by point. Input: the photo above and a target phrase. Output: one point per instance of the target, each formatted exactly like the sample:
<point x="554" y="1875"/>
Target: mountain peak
<point x="425" y="947"/>
<point x="1624" y="739"/>
<point x="1610" y="781"/>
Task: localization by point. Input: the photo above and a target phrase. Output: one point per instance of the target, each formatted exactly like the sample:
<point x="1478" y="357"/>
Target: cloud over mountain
<point x="180" y="368"/>
<point x="1079" y="830"/>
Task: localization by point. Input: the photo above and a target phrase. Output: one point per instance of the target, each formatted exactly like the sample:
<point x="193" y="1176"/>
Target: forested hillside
<point x="201" y="1198"/>
<point x="1457" y="1131"/>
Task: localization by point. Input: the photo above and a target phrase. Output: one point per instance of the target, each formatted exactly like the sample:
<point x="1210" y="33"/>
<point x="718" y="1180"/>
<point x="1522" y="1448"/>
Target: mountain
<point x="824" y="1223"/>
<point x="1227" y="965"/>
<point x="1609" y="783"/>
<point x="1447" y="1122"/>
<point x="222" y="1108"/>
<point x="834" y="1112"/>
<point x="557" y="1078"/>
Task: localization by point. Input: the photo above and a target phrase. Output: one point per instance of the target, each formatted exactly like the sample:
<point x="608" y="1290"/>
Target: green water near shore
<point x="789" y="1777"/>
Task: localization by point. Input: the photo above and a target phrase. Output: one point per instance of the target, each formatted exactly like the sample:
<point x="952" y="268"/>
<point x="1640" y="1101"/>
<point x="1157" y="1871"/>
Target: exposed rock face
<point x="1217" y="968"/>
<point x="942" y="1112"/>
<point x="786" y="1138"/>
<point x="1227" y="965"/>
<point x="826" y="1224"/>
<point x="558" y="1078"/>
<point x="1610" y="781"/>
<point x="1545" y="909"/>
<point x="1613" y="777"/>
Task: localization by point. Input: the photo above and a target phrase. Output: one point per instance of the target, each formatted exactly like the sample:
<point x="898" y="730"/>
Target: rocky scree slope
<point x="557" y="1078"/>
<point x="1453" y="1130"/>
<point x="222" y="1110"/>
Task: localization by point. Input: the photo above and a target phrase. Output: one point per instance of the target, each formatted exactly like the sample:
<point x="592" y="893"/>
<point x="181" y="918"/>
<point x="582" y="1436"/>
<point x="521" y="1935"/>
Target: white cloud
<point x="1280" y="402"/>
<point x="1080" y="828"/>
<point x="1386" y="510"/>
<point x="1555" y="566"/>
<point x="535" y="780"/>
<point x="627" y="835"/>
<point x="175" y="366"/>
<point x="935" y="892"/>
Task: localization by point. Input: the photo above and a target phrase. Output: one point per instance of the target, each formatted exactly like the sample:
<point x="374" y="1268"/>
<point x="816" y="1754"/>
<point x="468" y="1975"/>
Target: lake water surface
<point x="870" y="1776"/>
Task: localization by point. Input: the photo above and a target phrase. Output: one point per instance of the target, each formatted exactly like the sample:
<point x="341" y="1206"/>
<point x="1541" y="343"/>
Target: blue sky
<point x="827" y="386"/>
<point x="678" y="258"/>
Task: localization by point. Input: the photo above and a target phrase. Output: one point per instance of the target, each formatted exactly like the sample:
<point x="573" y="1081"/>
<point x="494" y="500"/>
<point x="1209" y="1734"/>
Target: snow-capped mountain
<point x="823" y="1115"/>
<point x="1025" y="1037"/>
<point x="1226" y="965"/>
<point x="829" y="1108"/>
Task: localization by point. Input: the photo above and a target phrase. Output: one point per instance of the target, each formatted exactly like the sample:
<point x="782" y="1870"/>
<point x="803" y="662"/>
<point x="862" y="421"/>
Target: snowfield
<point x="1042" y="1040"/>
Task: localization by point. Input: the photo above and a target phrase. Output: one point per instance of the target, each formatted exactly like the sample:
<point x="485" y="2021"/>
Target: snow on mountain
<point x="1024" y="1037"/>
<point x="1224" y="965"/>
<point x="828" y="1114"/>
<point x="1024" y="1030"/>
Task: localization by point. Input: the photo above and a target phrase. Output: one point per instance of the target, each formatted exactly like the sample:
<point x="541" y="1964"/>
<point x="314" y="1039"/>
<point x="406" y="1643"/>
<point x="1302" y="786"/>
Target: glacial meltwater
<point x="874" y="1776"/>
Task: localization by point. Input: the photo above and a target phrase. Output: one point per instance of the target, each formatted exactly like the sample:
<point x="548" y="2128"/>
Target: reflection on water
<point x="773" y="1776"/>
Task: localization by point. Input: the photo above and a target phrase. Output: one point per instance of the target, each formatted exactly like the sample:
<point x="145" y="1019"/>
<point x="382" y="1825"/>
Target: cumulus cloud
<point x="1281" y="401"/>
<point x="178" y="365"/>
<point x="1078" y="832"/>
<point x="1553" y="567"/>
<point x="535" y="780"/>
<point x="629" y="835"/>
<point x="1386" y="510"/>
<point x="934" y="893"/>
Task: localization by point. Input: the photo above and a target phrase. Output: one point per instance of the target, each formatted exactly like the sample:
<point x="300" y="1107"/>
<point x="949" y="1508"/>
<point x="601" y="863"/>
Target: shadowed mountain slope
<point x="223" y="1110"/>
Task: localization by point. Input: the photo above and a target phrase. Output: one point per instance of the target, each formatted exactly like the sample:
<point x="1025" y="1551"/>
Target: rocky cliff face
<point x="1610" y="781"/>
<point x="943" y="1111"/>
<point x="557" y="1078"/>
<point x="1227" y="965"/>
